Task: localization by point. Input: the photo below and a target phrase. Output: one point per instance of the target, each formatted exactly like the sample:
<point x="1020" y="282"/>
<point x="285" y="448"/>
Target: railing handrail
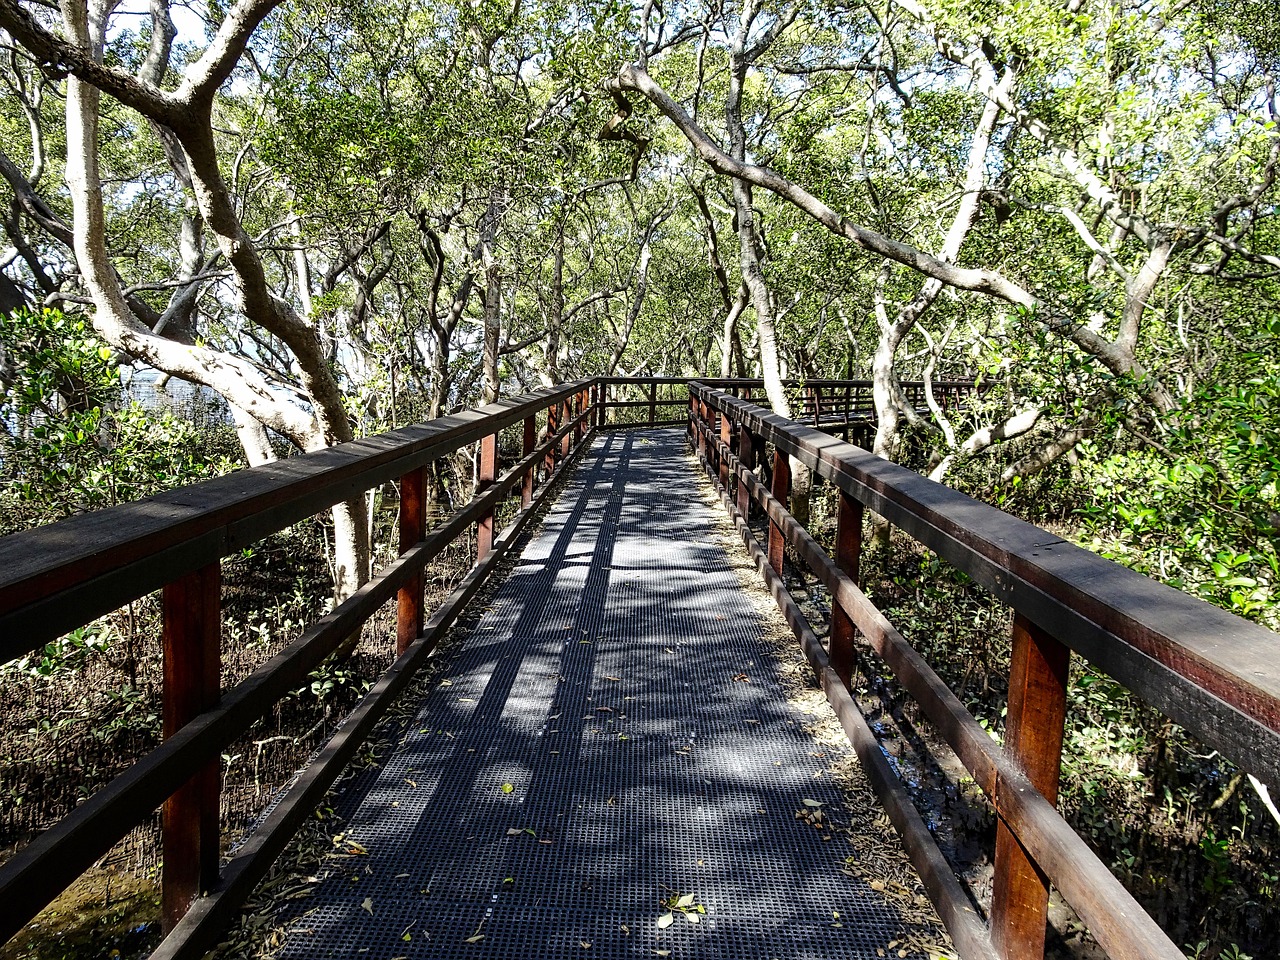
<point x="56" y="577"/>
<point x="1216" y="674"/>
<point x="1203" y="667"/>
<point x="200" y="719"/>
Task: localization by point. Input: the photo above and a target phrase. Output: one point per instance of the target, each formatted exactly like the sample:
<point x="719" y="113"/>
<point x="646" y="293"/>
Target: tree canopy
<point x="344" y="215"/>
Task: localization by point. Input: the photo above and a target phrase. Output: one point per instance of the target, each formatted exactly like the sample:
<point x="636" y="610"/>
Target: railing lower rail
<point x="1212" y="672"/>
<point x="62" y="576"/>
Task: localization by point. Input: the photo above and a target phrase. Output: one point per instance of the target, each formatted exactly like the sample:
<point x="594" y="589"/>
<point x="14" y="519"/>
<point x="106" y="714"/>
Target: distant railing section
<point x="835" y="406"/>
<point x="56" y="578"/>
<point x="1215" y="674"/>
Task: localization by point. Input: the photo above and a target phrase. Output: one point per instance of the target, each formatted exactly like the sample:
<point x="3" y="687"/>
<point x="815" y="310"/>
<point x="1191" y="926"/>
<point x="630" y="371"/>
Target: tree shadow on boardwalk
<point x="610" y="736"/>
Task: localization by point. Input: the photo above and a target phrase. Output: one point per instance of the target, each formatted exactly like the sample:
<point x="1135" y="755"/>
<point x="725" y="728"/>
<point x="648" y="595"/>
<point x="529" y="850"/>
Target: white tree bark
<point x="241" y="382"/>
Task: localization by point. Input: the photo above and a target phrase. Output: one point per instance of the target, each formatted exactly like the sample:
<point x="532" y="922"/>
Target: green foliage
<point x="71" y="442"/>
<point x="1199" y="507"/>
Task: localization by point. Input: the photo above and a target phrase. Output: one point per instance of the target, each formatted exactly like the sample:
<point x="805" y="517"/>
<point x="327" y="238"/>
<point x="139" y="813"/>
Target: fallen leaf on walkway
<point x="508" y="788"/>
<point x="665" y="921"/>
<point x="412" y="783"/>
<point x="368" y="905"/>
<point x="476" y="939"/>
<point x="614" y="679"/>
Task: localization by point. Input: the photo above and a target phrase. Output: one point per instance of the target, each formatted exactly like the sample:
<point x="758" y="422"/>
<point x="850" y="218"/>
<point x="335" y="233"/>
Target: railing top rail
<point x="661" y="381"/>
<point x="825" y="382"/>
<point x="1213" y="672"/>
<point x="57" y="577"/>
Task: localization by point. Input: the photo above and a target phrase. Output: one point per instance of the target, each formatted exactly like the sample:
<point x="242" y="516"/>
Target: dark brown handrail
<point x="57" y="577"/>
<point x="1215" y="673"/>
<point x="64" y="575"/>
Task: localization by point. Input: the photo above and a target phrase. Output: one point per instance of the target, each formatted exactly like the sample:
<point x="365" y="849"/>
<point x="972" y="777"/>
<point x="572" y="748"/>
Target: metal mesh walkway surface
<point x="611" y="735"/>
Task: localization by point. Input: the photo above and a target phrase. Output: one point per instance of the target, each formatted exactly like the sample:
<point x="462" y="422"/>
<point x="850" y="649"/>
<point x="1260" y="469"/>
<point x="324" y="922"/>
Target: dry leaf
<point x="368" y="905"/>
<point x="665" y="921"/>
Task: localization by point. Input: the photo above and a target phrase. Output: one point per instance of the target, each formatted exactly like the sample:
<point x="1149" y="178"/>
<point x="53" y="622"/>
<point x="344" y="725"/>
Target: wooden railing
<point x="1215" y="674"/>
<point x="57" y="578"/>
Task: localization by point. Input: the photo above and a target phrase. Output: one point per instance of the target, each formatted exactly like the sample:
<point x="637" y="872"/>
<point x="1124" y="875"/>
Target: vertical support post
<point x="488" y="474"/>
<point x="1033" y="734"/>
<point x="817" y="406"/>
<point x="693" y="421"/>
<point x="747" y="454"/>
<point x="553" y="424"/>
<point x="702" y="423"/>
<point x="191" y="634"/>
<point x="526" y="448"/>
<point x="848" y="559"/>
<point x="653" y="402"/>
<point x="726" y="433"/>
<point x="566" y="442"/>
<point x="781" y="490"/>
<point x="413" y="527"/>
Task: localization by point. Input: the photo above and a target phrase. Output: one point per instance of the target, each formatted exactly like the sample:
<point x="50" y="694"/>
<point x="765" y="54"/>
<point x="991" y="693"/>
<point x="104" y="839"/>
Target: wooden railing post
<point x="1033" y="735"/>
<point x="781" y="490"/>
<point x="191" y="634"/>
<point x="653" y="403"/>
<point x="566" y="442"/>
<point x="413" y="528"/>
<point x="602" y="399"/>
<point x="747" y="456"/>
<point x="553" y="424"/>
<point x="817" y="406"/>
<point x="488" y="473"/>
<point x="726" y="435"/>
<point x="849" y="559"/>
<point x="526" y="448"/>
<point x="702" y="436"/>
